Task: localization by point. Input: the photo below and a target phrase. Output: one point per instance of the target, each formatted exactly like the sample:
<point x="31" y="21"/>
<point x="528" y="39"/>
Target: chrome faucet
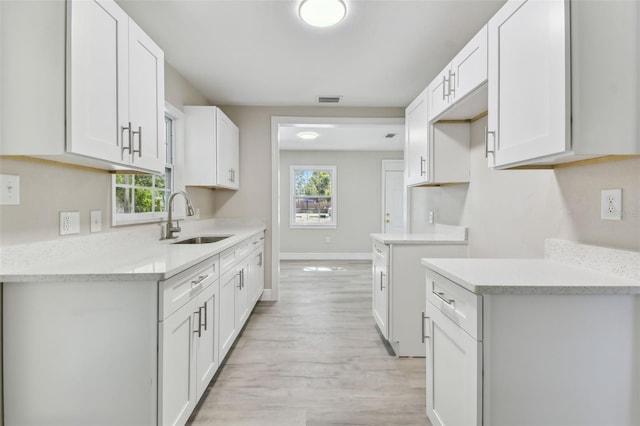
<point x="170" y="229"/>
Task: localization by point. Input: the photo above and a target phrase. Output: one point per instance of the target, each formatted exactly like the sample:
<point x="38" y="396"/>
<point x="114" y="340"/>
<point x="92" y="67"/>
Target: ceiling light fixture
<point x="307" y="135"/>
<point x="322" y="13"/>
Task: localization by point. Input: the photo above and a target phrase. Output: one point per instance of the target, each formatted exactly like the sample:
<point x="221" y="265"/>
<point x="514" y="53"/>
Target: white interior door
<point x="392" y="189"/>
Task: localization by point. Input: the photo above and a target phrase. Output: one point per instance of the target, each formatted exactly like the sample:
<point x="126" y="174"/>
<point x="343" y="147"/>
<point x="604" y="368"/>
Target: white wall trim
<point x="325" y="256"/>
<point x="267" y="296"/>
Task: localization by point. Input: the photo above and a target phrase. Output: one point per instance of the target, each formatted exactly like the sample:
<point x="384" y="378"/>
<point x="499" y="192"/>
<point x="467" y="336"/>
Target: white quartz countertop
<point x="530" y="276"/>
<point x="442" y="234"/>
<point x="130" y="255"/>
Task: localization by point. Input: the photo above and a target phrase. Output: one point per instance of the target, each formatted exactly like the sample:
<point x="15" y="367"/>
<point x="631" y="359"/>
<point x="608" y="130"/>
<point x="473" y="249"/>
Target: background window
<point x="313" y="201"/>
<point x="143" y="197"/>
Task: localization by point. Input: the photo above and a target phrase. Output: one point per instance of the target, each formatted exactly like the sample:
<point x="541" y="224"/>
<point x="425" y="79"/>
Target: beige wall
<point x="359" y="201"/>
<point x="46" y="188"/>
<point x="253" y="200"/>
<point x="511" y="212"/>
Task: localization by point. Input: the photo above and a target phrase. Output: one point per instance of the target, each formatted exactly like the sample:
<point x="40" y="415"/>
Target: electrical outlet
<point x="69" y="223"/>
<point x="430" y="216"/>
<point x="96" y="220"/>
<point x="327" y="239"/>
<point x="9" y="190"/>
<point x="611" y="204"/>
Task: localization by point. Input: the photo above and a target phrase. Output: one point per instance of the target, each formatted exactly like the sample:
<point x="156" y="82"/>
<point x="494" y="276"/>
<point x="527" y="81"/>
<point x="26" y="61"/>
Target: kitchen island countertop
<point x="557" y="273"/>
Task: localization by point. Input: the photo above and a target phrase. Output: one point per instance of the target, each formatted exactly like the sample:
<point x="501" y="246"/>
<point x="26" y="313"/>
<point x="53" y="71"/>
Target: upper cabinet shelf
<point x="563" y="82"/>
<point x="81" y="84"/>
<point x="212" y="148"/>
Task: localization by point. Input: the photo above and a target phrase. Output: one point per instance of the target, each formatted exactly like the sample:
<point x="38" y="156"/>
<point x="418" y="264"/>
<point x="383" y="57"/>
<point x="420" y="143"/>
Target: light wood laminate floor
<point x="315" y="358"/>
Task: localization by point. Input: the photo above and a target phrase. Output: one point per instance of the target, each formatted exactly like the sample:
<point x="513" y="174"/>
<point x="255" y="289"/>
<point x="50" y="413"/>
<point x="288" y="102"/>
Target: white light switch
<point x="96" y="220"/>
<point x="9" y="190"/>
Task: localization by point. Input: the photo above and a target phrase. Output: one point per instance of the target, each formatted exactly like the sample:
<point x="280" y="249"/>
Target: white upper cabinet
<point x="146" y="101"/>
<point x="563" y="80"/>
<point x="435" y="153"/>
<point x="212" y="148"/>
<point x="416" y="151"/>
<point x="111" y="114"/>
<point x="97" y="68"/>
<point x="450" y="91"/>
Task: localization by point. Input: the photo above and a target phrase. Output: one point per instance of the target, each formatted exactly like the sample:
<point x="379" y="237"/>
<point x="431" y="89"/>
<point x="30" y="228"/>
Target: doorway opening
<point x="335" y="134"/>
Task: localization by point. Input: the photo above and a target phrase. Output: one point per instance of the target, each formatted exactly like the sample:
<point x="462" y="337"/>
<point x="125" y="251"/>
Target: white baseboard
<point x="325" y="256"/>
<point x="266" y="295"/>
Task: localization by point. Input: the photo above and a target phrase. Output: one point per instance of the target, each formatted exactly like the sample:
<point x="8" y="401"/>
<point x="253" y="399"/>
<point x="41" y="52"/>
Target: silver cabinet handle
<point x="205" y="315"/>
<point x="382" y="274"/>
<point x="124" y="148"/>
<point x="444" y="87"/>
<point x="199" y="330"/>
<point x="139" y="133"/>
<point x="442" y="297"/>
<point x="197" y="282"/>
<point x="487" y="132"/>
<point x="423" y="166"/>
<point x="422" y="318"/>
<point x="452" y="75"/>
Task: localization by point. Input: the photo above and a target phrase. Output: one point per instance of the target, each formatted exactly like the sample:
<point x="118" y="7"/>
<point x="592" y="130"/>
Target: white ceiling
<point x="357" y="135"/>
<point x="258" y="52"/>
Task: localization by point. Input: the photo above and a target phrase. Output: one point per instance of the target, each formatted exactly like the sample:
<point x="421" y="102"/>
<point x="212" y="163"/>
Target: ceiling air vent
<point x="329" y="99"/>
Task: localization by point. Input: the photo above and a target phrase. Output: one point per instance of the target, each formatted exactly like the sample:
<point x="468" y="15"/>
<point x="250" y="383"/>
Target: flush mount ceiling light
<point x="307" y="135"/>
<point x="322" y="13"/>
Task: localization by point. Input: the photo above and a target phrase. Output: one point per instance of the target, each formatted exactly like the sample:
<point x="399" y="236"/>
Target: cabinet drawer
<point x="456" y="302"/>
<point x="381" y="252"/>
<point x="233" y="255"/>
<point x="256" y="241"/>
<point x="178" y="290"/>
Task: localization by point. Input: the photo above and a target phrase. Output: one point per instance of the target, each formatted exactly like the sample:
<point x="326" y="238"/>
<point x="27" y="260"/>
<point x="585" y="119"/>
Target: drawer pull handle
<point x="423" y="317"/>
<point x="440" y="296"/>
<point x="199" y="330"/>
<point x="197" y="282"/>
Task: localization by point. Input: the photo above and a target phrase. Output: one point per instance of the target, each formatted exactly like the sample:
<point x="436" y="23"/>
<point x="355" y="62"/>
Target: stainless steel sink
<point x="202" y="240"/>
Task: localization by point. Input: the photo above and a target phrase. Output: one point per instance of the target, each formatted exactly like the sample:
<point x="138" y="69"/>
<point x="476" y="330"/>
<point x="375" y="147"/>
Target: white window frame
<point x="334" y="198"/>
<point x="119" y="219"/>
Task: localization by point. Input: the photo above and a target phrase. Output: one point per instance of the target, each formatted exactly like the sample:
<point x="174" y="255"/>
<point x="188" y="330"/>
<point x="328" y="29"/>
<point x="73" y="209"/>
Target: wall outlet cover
<point x="9" y="190"/>
<point x="611" y="204"/>
<point x="96" y="220"/>
<point x="69" y="223"/>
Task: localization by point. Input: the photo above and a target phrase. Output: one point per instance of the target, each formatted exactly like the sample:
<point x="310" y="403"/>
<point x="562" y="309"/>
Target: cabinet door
<point x="97" y="83"/>
<point x="454" y="381"/>
<point x="256" y="275"/>
<point x="417" y="140"/>
<point x="469" y="67"/>
<point x="529" y="89"/>
<point x="146" y="101"/>
<point x="228" y="151"/>
<point x="380" y="290"/>
<point x="177" y="356"/>
<point x="207" y="361"/>
<point x="227" y="319"/>
<point x="242" y="293"/>
<point x="440" y="90"/>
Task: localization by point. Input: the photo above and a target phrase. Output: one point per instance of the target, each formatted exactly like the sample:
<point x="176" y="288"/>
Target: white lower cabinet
<point x="398" y="291"/>
<point x="188" y="341"/>
<point x="523" y="358"/>
<point x="228" y="329"/>
<point x="380" y="287"/>
<point x="453" y="372"/>
<point x="148" y="348"/>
